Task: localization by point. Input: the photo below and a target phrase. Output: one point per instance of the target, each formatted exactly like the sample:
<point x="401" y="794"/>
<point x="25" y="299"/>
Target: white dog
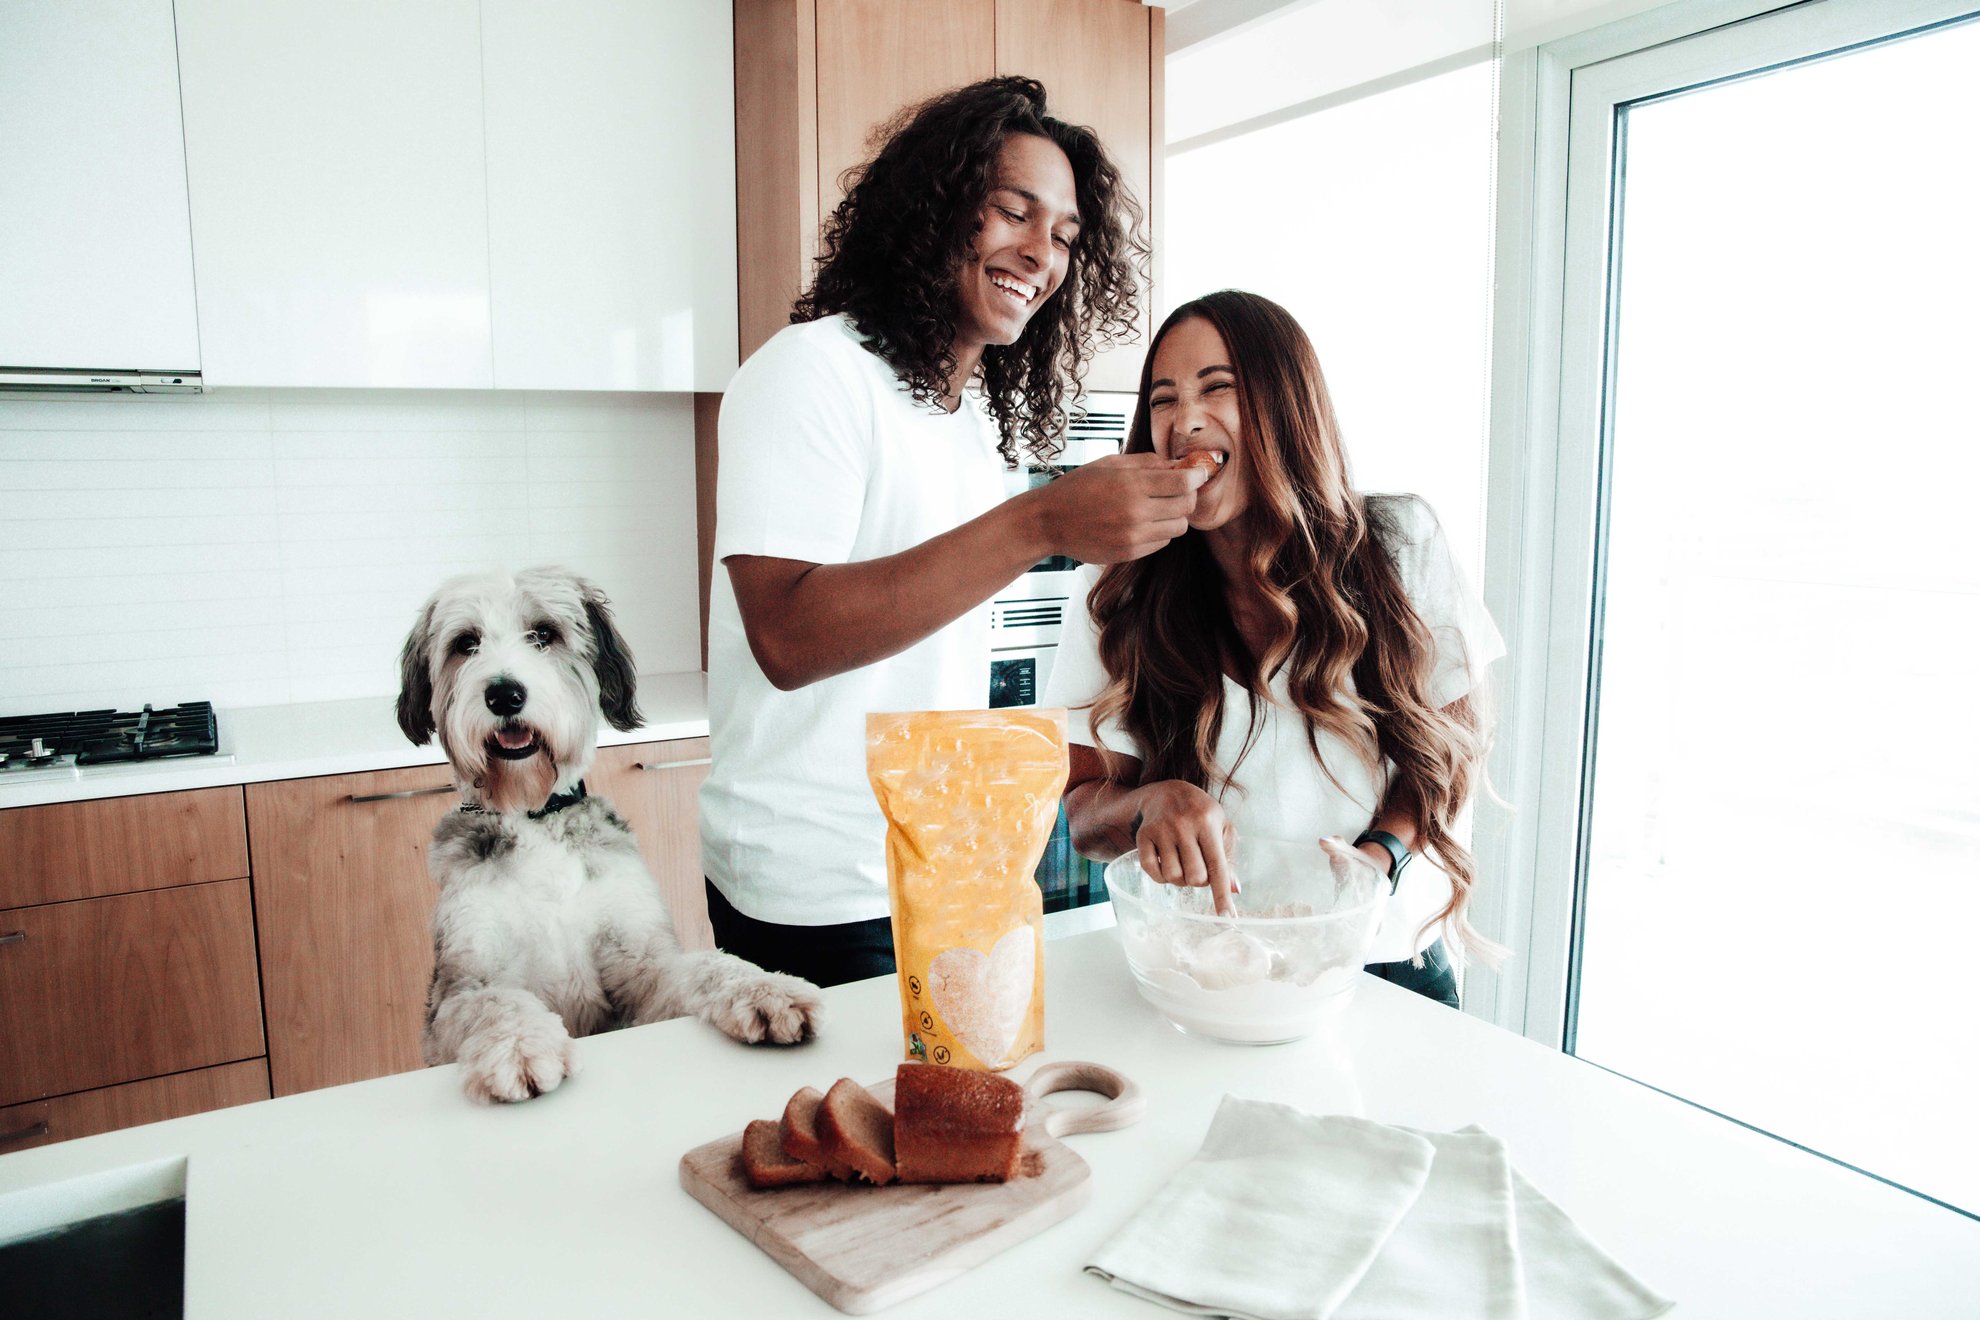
<point x="549" y="925"/>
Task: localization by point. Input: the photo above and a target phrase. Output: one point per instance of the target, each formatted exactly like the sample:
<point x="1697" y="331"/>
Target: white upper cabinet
<point x="95" y="250"/>
<point x="611" y="193"/>
<point x="339" y="194"/>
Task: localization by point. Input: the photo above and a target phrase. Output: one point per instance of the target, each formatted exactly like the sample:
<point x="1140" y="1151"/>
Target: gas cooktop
<point x="77" y="740"/>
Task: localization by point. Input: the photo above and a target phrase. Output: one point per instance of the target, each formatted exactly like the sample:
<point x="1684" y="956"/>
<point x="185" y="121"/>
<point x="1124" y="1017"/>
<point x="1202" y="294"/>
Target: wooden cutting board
<point x="863" y="1248"/>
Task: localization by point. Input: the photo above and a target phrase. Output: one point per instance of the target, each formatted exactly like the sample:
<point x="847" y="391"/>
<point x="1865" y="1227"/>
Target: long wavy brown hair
<point x="1322" y="558"/>
<point x="891" y="252"/>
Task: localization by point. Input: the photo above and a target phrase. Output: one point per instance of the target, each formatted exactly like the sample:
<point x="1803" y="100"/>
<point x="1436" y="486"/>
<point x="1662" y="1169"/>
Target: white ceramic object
<point x="1276" y="971"/>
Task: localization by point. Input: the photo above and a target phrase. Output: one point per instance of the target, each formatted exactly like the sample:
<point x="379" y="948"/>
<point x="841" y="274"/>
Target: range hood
<point x="22" y="380"/>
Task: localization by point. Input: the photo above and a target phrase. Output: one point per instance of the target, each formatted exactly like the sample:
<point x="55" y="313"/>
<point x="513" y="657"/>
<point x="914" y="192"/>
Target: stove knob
<point x="39" y="751"/>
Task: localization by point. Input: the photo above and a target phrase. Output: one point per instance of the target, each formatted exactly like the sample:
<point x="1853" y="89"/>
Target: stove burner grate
<point x="105" y="737"/>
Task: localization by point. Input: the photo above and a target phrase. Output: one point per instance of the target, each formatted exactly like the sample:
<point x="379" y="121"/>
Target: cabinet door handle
<point x="14" y="937"/>
<point x="23" y="1134"/>
<point x="671" y="765"/>
<point x="406" y="793"/>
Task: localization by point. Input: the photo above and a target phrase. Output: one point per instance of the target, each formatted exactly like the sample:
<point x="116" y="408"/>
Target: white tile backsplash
<point x="251" y="547"/>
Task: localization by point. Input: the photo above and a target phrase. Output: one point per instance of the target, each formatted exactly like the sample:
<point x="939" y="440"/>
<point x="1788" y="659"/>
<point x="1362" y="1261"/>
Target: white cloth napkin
<point x="1286" y="1216"/>
<point x="1276" y="1218"/>
<point x="1568" y="1277"/>
<point x="1454" y="1253"/>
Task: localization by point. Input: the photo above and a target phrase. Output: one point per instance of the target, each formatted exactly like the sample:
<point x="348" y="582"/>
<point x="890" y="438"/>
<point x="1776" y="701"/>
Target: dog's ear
<point x="618" y="682"/>
<point x="416" y="679"/>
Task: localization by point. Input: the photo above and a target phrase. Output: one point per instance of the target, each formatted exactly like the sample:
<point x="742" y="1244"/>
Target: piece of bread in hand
<point x="956" y="1125"/>
<point x="799" y="1133"/>
<point x="766" y="1165"/>
<point x="855" y="1129"/>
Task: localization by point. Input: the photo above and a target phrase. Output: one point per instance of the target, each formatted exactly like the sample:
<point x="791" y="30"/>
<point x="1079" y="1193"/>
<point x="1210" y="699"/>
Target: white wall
<point x="252" y="547"/>
<point x="1371" y="223"/>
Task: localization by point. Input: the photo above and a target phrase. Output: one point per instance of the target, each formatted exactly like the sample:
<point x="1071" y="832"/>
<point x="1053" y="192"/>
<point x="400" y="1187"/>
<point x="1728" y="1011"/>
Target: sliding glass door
<point x="1768" y="768"/>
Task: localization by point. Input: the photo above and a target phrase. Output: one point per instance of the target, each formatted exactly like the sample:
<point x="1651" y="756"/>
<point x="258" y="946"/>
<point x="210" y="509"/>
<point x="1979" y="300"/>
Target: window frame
<point x="1551" y="372"/>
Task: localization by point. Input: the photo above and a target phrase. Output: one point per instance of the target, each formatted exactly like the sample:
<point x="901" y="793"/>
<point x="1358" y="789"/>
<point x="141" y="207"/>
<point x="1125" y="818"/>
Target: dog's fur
<point x="549" y="927"/>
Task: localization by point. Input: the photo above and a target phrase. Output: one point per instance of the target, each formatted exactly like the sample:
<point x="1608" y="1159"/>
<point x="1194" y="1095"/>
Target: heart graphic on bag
<point x="983" y="999"/>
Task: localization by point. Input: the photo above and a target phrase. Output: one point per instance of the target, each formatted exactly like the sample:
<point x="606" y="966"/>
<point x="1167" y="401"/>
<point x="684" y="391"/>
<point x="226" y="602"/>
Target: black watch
<point x="1398" y="854"/>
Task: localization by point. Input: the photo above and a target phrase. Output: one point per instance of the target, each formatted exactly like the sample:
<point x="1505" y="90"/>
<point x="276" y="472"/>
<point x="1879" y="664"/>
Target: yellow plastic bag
<point x="970" y="797"/>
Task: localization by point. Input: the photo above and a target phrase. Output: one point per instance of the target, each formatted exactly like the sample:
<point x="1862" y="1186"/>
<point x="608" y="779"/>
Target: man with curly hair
<point x="862" y="510"/>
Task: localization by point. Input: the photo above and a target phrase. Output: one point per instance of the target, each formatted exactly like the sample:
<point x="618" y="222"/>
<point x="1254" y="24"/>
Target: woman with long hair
<point x="861" y="510"/>
<point x="1304" y="663"/>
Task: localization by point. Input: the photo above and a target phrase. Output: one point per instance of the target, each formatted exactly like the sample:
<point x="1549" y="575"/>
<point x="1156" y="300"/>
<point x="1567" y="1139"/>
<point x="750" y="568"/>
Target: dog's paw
<point x="510" y="1068"/>
<point x="771" y="1006"/>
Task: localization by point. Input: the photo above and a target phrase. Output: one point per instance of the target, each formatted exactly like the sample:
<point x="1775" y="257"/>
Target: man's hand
<point x="1117" y="508"/>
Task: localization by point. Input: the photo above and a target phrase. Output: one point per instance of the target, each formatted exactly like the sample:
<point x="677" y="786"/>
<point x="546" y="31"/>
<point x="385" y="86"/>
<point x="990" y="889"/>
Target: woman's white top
<point x="826" y="458"/>
<point x="1281" y="790"/>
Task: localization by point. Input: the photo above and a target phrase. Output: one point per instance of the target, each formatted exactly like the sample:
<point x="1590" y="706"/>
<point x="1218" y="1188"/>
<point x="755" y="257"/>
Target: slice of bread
<point x="799" y="1133"/>
<point x="764" y="1161"/>
<point x="856" y="1129"/>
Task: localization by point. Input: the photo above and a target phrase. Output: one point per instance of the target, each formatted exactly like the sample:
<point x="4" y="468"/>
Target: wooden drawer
<point x="345" y="911"/>
<point x="110" y="990"/>
<point x="91" y="849"/>
<point x="656" y="789"/>
<point x="151" y="1101"/>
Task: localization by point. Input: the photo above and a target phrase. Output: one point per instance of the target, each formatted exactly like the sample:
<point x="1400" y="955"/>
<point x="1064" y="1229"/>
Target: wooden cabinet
<point x="876" y="57"/>
<point x="106" y="990"/>
<point x="127" y="959"/>
<point x="117" y="845"/>
<point x="655" y="788"/>
<point x="344" y="908"/>
<point x="344" y="903"/>
<point x="1101" y="63"/>
<point x="130" y="987"/>
<point x="98" y="255"/>
<point x="611" y="193"/>
<point x="152" y="1100"/>
<point x="816" y="78"/>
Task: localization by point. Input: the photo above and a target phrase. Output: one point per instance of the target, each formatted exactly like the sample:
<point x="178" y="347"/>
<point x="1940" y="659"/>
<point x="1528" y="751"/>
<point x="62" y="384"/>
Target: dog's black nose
<point x="505" y="696"/>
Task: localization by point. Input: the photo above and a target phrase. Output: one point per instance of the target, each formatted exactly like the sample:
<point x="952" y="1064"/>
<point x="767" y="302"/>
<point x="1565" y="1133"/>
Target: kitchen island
<point x="396" y="1197"/>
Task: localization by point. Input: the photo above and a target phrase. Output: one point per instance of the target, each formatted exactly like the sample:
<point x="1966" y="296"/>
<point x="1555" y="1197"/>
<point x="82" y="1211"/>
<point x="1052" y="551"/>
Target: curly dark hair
<point x="891" y="252"/>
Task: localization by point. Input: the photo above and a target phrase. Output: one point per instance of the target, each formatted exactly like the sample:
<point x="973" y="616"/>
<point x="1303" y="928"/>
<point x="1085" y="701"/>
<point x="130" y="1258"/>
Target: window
<point x="1751" y="799"/>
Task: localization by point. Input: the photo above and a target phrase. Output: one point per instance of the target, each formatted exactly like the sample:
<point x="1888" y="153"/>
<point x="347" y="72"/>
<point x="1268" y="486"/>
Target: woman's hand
<point x="1345" y="859"/>
<point x="1185" y="839"/>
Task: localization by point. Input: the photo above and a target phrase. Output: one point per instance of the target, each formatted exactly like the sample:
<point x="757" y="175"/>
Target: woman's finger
<point x="1222" y="880"/>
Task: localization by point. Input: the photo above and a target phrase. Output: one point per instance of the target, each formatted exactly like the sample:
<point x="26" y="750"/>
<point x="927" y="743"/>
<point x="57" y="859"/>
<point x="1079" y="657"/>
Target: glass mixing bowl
<point x="1275" y="972"/>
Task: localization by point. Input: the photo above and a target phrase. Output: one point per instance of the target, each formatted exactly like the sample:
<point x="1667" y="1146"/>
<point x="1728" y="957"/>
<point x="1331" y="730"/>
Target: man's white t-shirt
<point x="826" y="458"/>
<point x="1282" y="792"/>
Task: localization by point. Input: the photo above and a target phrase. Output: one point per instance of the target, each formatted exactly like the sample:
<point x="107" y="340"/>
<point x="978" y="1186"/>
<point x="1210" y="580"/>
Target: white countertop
<point x="260" y="743"/>
<point x="397" y="1197"/>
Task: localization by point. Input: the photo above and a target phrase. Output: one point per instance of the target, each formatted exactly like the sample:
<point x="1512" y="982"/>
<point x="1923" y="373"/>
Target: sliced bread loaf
<point x="766" y="1165"/>
<point x="856" y="1129"/>
<point x="799" y="1133"/>
<point x="955" y="1125"/>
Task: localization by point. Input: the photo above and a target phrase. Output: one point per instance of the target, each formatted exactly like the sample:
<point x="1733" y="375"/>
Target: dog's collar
<point x="557" y="802"/>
